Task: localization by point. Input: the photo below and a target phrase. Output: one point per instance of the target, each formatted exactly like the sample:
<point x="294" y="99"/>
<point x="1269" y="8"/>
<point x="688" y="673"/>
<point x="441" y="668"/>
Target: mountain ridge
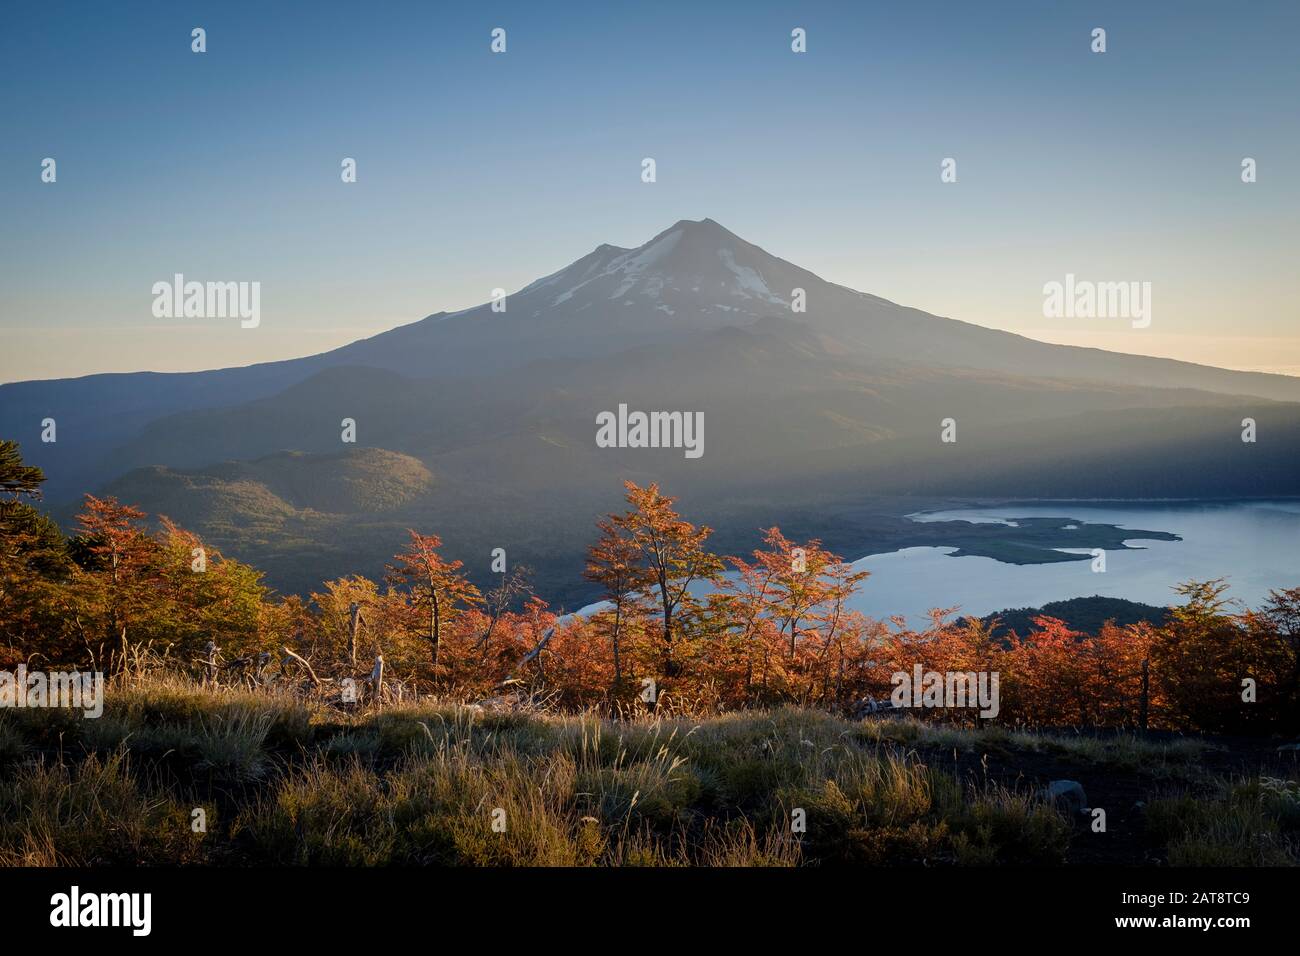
<point x="487" y="419"/>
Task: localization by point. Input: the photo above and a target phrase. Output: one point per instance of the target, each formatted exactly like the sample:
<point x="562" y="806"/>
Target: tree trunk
<point x="377" y="679"/>
<point x="669" y="664"/>
<point x="354" y="626"/>
<point x="618" y="667"/>
<point x="435" y="626"/>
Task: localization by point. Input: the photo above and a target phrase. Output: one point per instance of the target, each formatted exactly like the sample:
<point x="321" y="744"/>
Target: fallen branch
<point x="314" y="679"/>
<point x="531" y="655"/>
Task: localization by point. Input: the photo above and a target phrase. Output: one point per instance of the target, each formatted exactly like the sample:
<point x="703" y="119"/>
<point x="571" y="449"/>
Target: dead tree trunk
<point x="354" y="629"/>
<point x="210" y="664"/>
<point x="377" y="679"/>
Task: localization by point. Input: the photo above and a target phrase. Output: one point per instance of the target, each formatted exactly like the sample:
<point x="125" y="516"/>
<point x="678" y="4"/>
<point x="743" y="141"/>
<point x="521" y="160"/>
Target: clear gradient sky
<point x="478" y="170"/>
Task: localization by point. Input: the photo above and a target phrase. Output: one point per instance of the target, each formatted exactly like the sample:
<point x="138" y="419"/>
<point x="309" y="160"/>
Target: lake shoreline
<point x="1006" y="565"/>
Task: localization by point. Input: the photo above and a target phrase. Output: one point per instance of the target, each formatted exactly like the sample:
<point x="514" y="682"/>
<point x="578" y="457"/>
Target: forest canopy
<point x="707" y="632"/>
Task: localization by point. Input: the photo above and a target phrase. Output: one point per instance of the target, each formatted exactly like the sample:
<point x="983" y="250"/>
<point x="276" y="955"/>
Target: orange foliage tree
<point x="441" y="591"/>
<point x="778" y="628"/>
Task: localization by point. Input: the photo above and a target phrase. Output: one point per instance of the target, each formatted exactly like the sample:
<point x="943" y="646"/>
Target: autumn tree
<point x="788" y="591"/>
<point x="1279" y="619"/>
<point x="614" y="563"/>
<point x="119" y="564"/>
<point x="673" y="554"/>
<point x="349" y="610"/>
<point x="1051" y="675"/>
<point x="205" y="596"/>
<point x="440" y="591"/>
<point x="802" y="582"/>
<point x="1200" y="657"/>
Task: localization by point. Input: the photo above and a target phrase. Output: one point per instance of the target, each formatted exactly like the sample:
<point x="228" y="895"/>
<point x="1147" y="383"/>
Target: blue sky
<point x="478" y="170"/>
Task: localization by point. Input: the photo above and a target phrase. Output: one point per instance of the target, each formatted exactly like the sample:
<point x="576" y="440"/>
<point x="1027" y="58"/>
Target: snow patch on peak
<point x="648" y="256"/>
<point x="684" y="252"/>
<point x="580" y="270"/>
<point x="634" y="265"/>
<point x="749" y="281"/>
<point x="630" y="265"/>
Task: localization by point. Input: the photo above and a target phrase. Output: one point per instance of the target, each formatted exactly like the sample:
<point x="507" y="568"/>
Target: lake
<point x="1253" y="544"/>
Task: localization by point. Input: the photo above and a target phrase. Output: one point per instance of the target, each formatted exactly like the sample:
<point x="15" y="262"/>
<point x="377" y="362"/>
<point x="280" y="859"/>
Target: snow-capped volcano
<point x="696" y="277"/>
<point x="691" y="265"/>
<point x="695" y="291"/>
<point x="694" y="271"/>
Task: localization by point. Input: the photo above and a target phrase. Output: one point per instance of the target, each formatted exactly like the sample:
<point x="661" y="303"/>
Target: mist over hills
<point x="480" y="425"/>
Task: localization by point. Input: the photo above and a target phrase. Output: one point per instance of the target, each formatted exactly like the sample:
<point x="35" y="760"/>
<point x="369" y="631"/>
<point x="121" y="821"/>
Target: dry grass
<point x="1254" y="821"/>
<point x="285" y="781"/>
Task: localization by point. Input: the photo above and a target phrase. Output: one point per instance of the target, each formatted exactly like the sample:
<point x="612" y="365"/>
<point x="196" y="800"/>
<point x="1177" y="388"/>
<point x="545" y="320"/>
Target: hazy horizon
<point x="478" y="170"/>
<point x="1231" y="352"/>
